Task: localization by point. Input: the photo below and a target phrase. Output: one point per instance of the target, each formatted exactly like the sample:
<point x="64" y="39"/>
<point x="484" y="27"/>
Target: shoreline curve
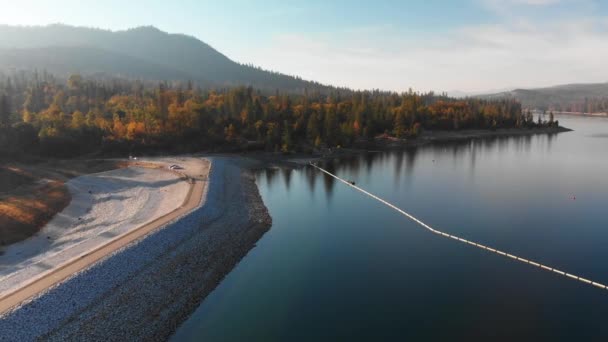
<point x="146" y="289"/>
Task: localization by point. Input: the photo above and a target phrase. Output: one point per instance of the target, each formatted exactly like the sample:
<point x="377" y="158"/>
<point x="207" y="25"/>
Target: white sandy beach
<point x="103" y="206"/>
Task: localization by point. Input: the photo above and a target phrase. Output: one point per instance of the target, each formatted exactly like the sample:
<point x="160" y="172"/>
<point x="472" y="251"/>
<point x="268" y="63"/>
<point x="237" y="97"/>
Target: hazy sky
<point x="429" y="44"/>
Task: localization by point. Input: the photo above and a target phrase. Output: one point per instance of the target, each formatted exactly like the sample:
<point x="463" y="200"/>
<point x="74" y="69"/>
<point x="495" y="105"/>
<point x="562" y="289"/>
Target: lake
<point x="338" y="265"/>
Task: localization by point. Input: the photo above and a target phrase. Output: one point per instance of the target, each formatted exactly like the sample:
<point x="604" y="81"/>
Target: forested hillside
<point x="41" y="114"/>
<point x="578" y="98"/>
<point x="140" y="53"/>
<point x="101" y="63"/>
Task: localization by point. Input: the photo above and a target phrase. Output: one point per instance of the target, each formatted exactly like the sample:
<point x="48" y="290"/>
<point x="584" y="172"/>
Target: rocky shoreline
<point x="146" y="290"/>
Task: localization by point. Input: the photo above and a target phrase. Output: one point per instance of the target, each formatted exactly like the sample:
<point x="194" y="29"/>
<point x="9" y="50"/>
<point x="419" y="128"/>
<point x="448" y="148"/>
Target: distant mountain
<point x="462" y="94"/>
<point x="589" y="98"/>
<point x="85" y="60"/>
<point x="144" y="52"/>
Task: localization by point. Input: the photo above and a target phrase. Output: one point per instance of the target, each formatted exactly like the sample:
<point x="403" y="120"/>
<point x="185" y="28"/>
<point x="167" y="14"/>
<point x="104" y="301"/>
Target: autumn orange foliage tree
<point x="116" y="116"/>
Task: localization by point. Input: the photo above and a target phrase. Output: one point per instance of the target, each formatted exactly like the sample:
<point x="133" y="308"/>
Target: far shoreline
<point x="296" y="159"/>
<point x="585" y="114"/>
<point x="447" y="136"/>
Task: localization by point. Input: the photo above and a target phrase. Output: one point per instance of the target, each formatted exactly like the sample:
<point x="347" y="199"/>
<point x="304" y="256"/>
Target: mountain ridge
<point x="188" y="57"/>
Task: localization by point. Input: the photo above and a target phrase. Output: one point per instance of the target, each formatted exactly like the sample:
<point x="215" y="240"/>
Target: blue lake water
<point x="338" y="265"/>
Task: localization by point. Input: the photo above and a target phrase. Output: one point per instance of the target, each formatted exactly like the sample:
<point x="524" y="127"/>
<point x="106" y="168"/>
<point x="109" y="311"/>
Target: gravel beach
<point x="146" y="289"/>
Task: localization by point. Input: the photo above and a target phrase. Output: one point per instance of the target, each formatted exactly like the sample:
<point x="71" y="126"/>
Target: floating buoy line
<point x="454" y="237"/>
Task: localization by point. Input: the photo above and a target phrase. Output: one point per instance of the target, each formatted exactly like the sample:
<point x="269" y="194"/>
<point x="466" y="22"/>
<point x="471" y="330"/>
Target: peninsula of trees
<point x="41" y="114"/>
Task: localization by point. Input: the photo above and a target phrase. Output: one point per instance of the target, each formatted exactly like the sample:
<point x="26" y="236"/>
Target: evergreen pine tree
<point x="5" y="111"/>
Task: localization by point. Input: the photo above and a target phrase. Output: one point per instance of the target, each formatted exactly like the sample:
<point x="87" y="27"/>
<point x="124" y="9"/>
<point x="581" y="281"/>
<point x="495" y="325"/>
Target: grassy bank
<point x="32" y="194"/>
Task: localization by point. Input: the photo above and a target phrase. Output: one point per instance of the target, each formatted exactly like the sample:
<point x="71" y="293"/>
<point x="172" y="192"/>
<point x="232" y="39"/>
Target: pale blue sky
<point x="442" y="45"/>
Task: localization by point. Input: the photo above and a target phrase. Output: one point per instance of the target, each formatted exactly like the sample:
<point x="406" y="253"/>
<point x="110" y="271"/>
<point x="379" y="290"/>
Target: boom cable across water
<point x="454" y="237"/>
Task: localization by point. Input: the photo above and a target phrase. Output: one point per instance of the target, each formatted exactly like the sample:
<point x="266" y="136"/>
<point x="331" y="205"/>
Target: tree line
<point x="587" y="105"/>
<point x="42" y="114"/>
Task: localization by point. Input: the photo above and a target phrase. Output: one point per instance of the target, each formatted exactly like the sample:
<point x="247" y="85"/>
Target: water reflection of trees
<point x="472" y="155"/>
<point x="404" y="160"/>
<point x="287" y="177"/>
<point x="550" y="138"/>
<point x="353" y="164"/>
<point x="329" y="181"/>
<point x="399" y="158"/>
<point x="310" y="175"/>
<point x="398" y="163"/>
<point x="271" y="175"/>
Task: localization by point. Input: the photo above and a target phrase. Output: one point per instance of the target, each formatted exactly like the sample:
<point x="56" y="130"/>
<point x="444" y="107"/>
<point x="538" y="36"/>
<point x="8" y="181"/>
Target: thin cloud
<point x="525" y="54"/>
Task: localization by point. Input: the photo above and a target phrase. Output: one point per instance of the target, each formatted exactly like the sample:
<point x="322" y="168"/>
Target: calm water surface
<point x="338" y="265"/>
